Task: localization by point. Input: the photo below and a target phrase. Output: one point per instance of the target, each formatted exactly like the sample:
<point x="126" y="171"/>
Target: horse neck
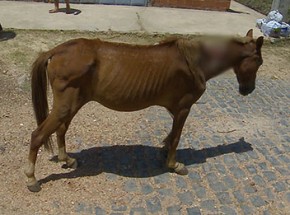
<point x="217" y="59"/>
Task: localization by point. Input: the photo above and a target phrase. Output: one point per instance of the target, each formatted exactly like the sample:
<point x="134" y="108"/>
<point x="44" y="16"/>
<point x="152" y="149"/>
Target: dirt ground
<point x="17" y="123"/>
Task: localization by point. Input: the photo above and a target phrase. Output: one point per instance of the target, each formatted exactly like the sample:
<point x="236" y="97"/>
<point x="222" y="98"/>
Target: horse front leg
<point x="167" y="139"/>
<point x="174" y="137"/>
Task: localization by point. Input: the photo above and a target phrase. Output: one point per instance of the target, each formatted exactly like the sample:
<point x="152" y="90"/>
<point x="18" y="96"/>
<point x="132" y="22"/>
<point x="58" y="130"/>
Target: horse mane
<point x="190" y="50"/>
<point x="241" y="40"/>
<point x="169" y="41"/>
<point x="166" y="42"/>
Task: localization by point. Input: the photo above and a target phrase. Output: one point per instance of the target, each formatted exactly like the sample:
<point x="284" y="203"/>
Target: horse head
<point x="251" y="59"/>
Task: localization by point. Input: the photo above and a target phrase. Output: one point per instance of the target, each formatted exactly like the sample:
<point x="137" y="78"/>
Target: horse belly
<point x="115" y="101"/>
<point x="134" y="81"/>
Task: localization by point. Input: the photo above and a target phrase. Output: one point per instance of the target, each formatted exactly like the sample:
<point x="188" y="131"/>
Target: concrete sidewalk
<point x="33" y="15"/>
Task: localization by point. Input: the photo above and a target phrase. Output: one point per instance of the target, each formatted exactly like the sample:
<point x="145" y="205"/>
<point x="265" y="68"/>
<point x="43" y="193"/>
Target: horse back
<point x="139" y="76"/>
<point x="121" y="76"/>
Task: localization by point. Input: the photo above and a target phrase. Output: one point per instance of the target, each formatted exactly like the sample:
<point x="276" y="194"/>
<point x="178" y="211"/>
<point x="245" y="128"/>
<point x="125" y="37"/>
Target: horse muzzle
<point x="246" y="90"/>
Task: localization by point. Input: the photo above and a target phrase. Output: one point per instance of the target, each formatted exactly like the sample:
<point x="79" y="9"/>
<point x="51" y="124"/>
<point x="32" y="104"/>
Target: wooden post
<point x="283" y="6"/>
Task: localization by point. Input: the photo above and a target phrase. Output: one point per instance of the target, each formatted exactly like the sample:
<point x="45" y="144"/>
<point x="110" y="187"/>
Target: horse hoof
<point x="73" y="165"/>
<point x="180" y="169"/>
<point x="34" y="188"/>
<point x="183" y="171"/>
<point x="165" y="147"/>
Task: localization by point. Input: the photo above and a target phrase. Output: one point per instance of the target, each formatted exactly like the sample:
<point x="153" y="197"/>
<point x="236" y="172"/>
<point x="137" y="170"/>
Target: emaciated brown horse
<point x="125" y="77"/>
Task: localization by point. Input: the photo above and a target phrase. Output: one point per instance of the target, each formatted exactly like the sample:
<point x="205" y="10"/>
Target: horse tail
<point x="39" y="91"/>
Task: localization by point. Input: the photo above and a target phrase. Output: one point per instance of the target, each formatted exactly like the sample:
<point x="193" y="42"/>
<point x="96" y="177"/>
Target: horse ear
<point x="250" y="33"/>
<point x="259" y="42"/>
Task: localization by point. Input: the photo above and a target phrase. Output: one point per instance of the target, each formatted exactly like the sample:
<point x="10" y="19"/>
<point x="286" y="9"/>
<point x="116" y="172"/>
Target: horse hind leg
<point x="38" y="137"/>
<point x="61" y="131"/>
<point x="62" y="154"/>
<point x="61" y="113"/>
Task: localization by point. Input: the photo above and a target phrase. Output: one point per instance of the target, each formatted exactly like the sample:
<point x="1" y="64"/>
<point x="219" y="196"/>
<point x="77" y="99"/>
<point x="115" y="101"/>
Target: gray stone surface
<point x="98" y="17"/>
<point x="228" y="174"/>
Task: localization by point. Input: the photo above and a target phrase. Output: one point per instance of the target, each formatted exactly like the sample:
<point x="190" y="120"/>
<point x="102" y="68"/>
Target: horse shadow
<point x="7" y="35"/>
<point x="139" y="161"/>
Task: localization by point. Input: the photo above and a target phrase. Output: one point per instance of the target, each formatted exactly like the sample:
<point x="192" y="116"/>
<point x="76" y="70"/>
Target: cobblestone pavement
<point x="236" y="149"/>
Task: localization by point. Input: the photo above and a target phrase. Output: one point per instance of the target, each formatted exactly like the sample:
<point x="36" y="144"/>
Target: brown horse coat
<point x="125" y="77"/>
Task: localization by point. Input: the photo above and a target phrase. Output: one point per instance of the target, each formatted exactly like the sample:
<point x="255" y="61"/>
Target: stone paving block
<point x="194" y="176"/>
<point x="99" y="211"/>
<point x="224" y="197"/>
<point x="229" y="159"/>
<point x="237" y="172"/>
<point x="221" y="169"/>
<point x="263" y="166"/>
<point x="119" y="207"/>
<point x="247" y="209"/>
<point x="250" y="189"/>
<point x="272" y="160"/>
<point x="200" y="192"/>
<point x="186" y="198"/>
<point x="283" y="171"/>
<point x="146" y="189"/>
<point x="252" y="154"/>
<point x="80" y="207"/>
<point x="153" y="205"/>
<point x="269" y="175"/>
<point x="242" y="157"/>
<point x="130" y="186"/>
<point x="138" y="211"/>
<point x="257" y="201"/>
<point x="207" y="167"/>
<point x="266" y="212"/>
<point x="259" y="180"/>
<point x="288" y="197"/>
<point x="277" y="151"/>
<point x="174" y="210"/>
<point x="239" y="196"/>
<point x="229" y="181"/>
<point x="208" y="205"/>
<point x="228" y="210"/>
<point x="161" y="179"/>
<point x="218" y="186"/>
<point x="181" y="182"/>
<point x="212" y="177"/>
<point x="164" y="192"/>
<point x="279" y="186"/>
<point x="193" y="211"/>
<point x="284" y="158"/>
<point x="269" y="193"/>
<point x="251" y="169"/>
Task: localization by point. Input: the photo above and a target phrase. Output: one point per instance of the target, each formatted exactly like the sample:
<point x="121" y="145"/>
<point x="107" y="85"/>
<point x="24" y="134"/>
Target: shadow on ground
<point x="72" y="11"/>
<point x="236" y="11"/>
<point x="7" y="35"/>
<point x="140" y="161"/>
